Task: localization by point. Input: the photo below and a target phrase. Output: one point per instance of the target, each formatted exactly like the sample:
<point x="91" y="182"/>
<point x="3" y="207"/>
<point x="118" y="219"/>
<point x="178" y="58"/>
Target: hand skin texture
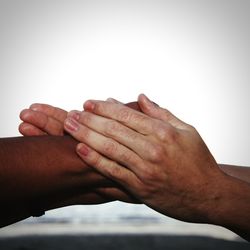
<point x="44" y="119"/>
<point x="162" y="161"/>
<point x="39" y="173"/>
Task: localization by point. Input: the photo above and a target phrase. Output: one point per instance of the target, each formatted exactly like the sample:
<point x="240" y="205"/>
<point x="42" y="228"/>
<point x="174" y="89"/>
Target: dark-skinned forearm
<point x="242" y="173"/>
<point x="231" y="209"/>
<point x="41" y="173"/>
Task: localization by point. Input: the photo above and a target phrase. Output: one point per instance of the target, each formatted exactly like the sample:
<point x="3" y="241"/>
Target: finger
<point x="27" y="129"/>
<point x="150" y="108"/>
<point x="51" y="111"/>
<point x="112" y="100"/>
<point x="43" y="122"/>
<point x="89" y="198"/>
<point x="125" y="115"/>
<point x="134" y="105"/>
<point x="105" y="146"/>
<point x="114" y="193"/>
<point x="115" y="130"/>
<point x="109" y="168"/>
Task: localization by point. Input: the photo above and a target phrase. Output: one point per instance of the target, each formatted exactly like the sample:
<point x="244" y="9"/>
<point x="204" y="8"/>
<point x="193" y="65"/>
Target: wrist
<point x="231" y="207"/>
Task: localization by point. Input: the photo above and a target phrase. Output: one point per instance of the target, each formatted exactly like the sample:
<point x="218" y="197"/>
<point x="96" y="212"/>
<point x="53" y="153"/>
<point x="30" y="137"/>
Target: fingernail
<point x="150" y="100"/>
<point x="82" y="149"/>
<point x="71" y="125"/>
<point x="89" y="105"/>
<point x="146" y="98"/>
<point x="74" y="114"/>
<point x="34" y="107"/>
<point x="111" y="100"/>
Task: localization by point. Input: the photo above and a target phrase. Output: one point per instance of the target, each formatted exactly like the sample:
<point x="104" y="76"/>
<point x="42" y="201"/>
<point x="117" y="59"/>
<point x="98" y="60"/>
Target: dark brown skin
<point x="40" y="173"/>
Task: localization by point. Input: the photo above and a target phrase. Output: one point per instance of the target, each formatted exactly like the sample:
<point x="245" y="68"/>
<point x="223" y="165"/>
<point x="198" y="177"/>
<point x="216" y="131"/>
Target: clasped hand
<point x="151" y="157"/>
<point x="159" y="159"/>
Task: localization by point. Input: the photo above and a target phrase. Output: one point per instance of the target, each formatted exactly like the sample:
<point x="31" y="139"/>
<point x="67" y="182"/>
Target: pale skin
<point x="163" y="162"/>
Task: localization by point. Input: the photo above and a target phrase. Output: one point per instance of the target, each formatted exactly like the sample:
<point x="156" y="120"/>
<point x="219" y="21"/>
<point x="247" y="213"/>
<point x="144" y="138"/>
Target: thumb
<point x="153" y="110"/>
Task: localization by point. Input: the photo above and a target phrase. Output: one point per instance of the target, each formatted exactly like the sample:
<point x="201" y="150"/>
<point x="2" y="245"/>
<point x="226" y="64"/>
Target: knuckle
<point x="191" y="128"/>
<point x="83" y="135"/>
<point x="126" y="157"/>
<point x="156" y="153"/>
<point x="167" y="133"/>
<point x="168" y="115"/>
<point x="115" y="171"/>
<point x="99" y="108"/>
<point x="163" y="133"/>
<point x="110" y="127"/>
<point x="85" y="118"/>
<point x="124" y="114"/>
<point x="109" y="147"/>
<point x="97" y="160"/>
<point x="139" y="118"/>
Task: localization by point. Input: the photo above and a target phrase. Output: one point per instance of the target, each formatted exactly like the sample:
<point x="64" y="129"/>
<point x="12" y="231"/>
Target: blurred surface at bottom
<point x="112" y="242"/>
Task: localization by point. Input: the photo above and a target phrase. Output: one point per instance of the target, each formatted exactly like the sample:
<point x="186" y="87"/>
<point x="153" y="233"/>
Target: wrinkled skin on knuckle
<point x="109" y="147"/>
<point x="167" y="133"/>
<point x="86" y="118"/>
<point x="139" y="119"/>
<point x="96" y="160"/>
<point x="84" y="135"/>
<point x="124" y="114"/>
<point x="115" y="171"/>
<point x="126" y="157"/>
<point x="111" y="127"/>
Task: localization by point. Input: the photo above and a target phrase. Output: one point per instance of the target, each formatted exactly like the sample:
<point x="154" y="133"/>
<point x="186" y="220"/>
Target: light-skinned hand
<point x="158" y="158"/>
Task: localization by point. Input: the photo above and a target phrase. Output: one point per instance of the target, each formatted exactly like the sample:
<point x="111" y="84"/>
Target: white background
<point x="192" y="57"/>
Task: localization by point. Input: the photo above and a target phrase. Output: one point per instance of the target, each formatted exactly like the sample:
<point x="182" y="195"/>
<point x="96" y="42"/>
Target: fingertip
<point x="74" y="114"/>
<point x="21" y="128"/>
<point x="145" y="99"/>
<point x="27" y="129"/>
<point x="82" y="149"/>
<point x="112" y="100"/>
<point x="23" y="114"/>
<point x="89" y="105"/>
<point x="24" y="128"/>
<point x="35" y="106"/>
<point x="141" y="96"/>
<point x="145" y="103"/>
